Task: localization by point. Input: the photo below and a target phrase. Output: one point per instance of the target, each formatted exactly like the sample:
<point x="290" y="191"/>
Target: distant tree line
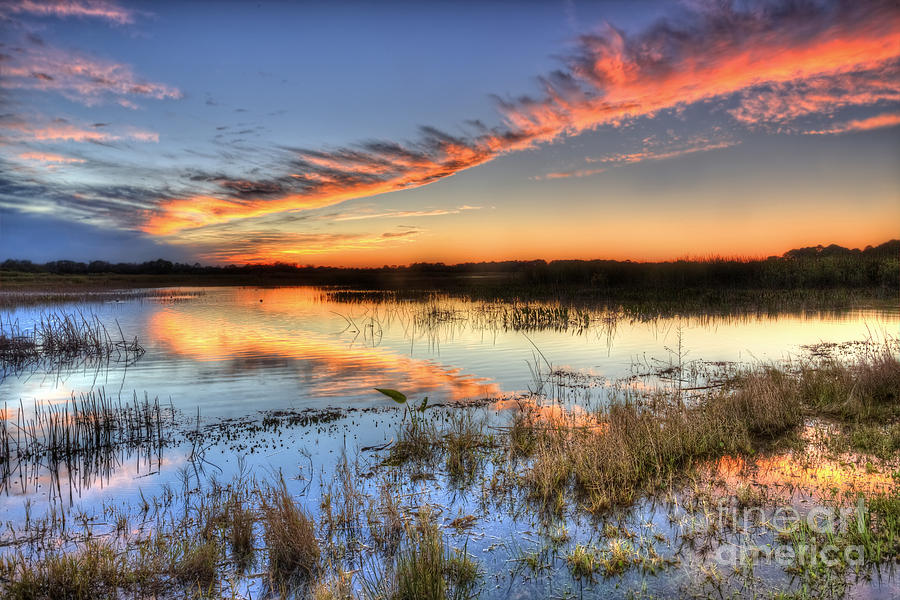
<point x="812" y="267"/>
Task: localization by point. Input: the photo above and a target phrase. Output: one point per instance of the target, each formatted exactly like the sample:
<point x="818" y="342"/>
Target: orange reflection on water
<point x="250" y="334"/>
<point x="553" y="416"/>
<point x="818" y="474"/>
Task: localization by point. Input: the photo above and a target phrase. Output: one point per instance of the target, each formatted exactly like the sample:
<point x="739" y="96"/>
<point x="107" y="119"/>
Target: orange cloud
<point x="260" y="247"/>
<point x="65" y="132"/>
<point x="403" y="214"/>
<point x="876" y="122"/>
<point x="49" y="157"/>
<point x="71" y="8"/>
<point x="819" y="95"/>
<point x="336" y="183"/>
<point x="60" y="130"/>
<point x="615" y="78"/>
<point x="717" y="53"/>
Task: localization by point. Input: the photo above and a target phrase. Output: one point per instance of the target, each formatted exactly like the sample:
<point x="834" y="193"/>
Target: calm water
<point x="234" y="352"/>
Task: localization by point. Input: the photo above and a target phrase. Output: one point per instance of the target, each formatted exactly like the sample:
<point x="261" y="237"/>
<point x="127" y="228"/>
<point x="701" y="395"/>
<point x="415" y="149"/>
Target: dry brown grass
<point x="289" y="536"/>
<point x="866" y="389"/>
<point x="612" y="456"/>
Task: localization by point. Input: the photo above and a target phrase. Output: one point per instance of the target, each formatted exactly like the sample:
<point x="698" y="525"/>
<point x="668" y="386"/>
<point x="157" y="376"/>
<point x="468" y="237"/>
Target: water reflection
<point x="231" y="351"/>
<point x="327" y="365"/>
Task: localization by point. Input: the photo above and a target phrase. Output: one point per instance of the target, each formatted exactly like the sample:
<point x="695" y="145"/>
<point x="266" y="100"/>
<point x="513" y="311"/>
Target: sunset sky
<point x="351" y="133"/>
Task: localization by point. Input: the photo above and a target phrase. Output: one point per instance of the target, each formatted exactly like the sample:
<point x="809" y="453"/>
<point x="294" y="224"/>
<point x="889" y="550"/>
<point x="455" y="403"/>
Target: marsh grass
<point x="867" y="389"/>
<point x="94" y="572"/>
<point x="240" y="530"/>
<point x="636" y="445"/>
<point x="289" y="535"/>
<point x="583" y="561"/>
<point x="420" y="563"/>
<point x="425" y="568"/>
<point x="60" y="338"/>
<point x="339" y="587"/>
<point x="417" y="440"/>
<point x="463" y="442"/>
<point x="196" y="562"/>
<point x="621" y="452"/>
<point x="385" y="518"/>
<point x="84" y="434"/>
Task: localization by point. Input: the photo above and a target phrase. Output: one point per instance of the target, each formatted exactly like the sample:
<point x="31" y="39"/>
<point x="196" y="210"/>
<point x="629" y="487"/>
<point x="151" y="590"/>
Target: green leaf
<point x="423" y="405"/>
<point x="393" y="395"/>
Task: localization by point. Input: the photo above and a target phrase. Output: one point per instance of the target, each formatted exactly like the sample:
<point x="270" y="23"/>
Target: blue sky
<point x="360" y="134"/>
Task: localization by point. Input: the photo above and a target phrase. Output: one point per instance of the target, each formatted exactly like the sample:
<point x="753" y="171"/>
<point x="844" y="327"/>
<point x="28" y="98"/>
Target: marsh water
<point x="232" y="355"/>
<point x="227" y="351"/>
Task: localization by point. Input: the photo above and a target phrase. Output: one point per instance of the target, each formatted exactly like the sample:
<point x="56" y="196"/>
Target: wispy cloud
<point x="61" y="130"/>
<point x="777" y="104"/>
<point x="721" y="52"/>
<point x="320" y="179"/>
<point x="876" y="122"/>
<point x="49" y="157"/>
<point x="267" y="246"/>
<point x="647" y="154"/>
<point x="99" y="9"/>
<point x="400" y="214"/>
<point x="572" y="173"/>
<point x="79" y="78"/>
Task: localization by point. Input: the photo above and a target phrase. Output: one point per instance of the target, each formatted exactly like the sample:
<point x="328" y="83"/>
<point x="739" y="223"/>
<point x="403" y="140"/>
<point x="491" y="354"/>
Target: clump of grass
<point x="342" y="501"/>
<point x="289" y="535"/>
<point x="386" y="523"/>
<point x="618" y="557"/>
<point x="462" y="442"/>
<point x="337" y="588"/>
<point x="96" y="571"/>
<point x="240" y="530"/>
<point x="583" y="561"/>
<point x="196" y="563"/>
<point x="865" y="390"/>
<point x="463" y="574"/>
<point x="879" y="440"/>
<point x="522" y="434"/>
<point x="419" y="567"/>
<point x="417" y="440"/>
<point x="748" y="495"/>
<point x="425" y="569"/>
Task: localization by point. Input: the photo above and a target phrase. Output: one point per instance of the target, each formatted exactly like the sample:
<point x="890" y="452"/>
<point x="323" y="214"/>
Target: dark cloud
<point x="398" y="234"/>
